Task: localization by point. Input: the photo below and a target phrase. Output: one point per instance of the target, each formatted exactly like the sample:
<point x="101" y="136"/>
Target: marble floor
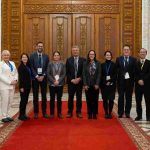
<point x="144" y="125"/>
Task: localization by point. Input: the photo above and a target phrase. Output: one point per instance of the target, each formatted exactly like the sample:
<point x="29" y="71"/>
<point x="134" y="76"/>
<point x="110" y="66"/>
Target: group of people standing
<point x="37" y="71"/>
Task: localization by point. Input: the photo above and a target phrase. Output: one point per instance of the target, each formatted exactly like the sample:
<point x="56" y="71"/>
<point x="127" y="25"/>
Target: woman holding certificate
<point x="56" y="76"/>
<point x="108" y="84"/>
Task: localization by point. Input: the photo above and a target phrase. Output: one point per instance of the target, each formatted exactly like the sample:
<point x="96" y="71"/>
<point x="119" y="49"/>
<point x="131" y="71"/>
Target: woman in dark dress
<point x="91" y="81"/>
<point x="108" y="84"/>
<point x="25" y="76"/>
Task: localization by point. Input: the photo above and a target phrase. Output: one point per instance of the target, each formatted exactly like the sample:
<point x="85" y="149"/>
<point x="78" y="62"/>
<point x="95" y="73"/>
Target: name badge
<point x="39" y="70"/>
<point x="57" y="77"/>
<point x="108" y="78"/>
<point x="126" y="75"/>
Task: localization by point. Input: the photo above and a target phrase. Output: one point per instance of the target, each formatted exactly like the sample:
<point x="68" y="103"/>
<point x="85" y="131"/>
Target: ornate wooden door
<point x="107" y="34"/>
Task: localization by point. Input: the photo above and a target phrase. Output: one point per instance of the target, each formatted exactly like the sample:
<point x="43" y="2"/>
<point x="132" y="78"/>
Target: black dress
<point x="108" y="86"/>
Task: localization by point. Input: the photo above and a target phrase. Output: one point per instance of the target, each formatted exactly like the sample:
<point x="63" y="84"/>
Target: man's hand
<point x="86" y="87"/>
<point x="141" y="82"/>
<point x="22" y="90"/>
<point x="56" y="82"/>
<point x="96" y="87"/>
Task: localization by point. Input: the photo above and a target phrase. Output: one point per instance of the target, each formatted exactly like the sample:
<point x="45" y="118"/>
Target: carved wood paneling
<point x="107" y="29"/>
<point x="14" y="11"/>
<point x="5" y="24"/>
<point x="35" y="30"/>
<point x="83" y="32"/>
<point x="60" y="34"/>
<point x="69" y="8"/>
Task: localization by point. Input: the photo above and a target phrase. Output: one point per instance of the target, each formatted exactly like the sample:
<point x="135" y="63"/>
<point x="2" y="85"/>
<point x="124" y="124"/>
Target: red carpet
<point x="70" y="134"/>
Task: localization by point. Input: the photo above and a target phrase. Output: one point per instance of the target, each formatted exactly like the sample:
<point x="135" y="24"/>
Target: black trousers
<point x="125" y="90"/>
<point x="35" y="87"/>
<point x="92" y="96"/>
<point x="139" y="92"/>
<point x="23" y="102"/>
<point x="108" y="96"/>
<point x="72" y="89"/>
<point x="55" y="91"/>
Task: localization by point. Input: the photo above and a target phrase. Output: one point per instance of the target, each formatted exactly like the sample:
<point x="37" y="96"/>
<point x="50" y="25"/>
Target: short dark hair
<point x="126" y="45"/>
<point x="39" y="43"/>
<point x="108" y="52"/>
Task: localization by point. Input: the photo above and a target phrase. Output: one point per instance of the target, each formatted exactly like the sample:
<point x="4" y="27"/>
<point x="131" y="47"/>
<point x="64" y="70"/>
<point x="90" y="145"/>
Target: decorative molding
<point x="64" y="8"/>
<point x="15" y="28"/>
<point x="128" y="23"/>
<point x="5" y="25"/>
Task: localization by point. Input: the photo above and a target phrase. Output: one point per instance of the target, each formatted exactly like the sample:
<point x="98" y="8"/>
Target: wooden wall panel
<point x="35" y="29"/>
<point x="83" y="32"/>
<point x="60" y="34"/>
<point x="107" y="29"/>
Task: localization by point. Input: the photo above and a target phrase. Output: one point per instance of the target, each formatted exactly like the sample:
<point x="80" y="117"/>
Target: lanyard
<point x="11" y="66"/>
<point x="107" y="68"/>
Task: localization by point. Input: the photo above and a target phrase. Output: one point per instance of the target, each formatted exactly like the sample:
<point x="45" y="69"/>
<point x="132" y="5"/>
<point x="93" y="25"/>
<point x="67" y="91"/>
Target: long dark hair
<point x="88" y="58"/>
<point x="28" y="62"/>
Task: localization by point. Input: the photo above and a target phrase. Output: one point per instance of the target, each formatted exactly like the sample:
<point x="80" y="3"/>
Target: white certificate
<point x="126" y="76"/>
<point x="108" y="78"/>
<point x="39" y="70"/>
<point x="57" y="77"/>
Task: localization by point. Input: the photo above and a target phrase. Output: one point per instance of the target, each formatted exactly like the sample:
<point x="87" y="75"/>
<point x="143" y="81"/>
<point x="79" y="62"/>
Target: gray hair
<point x="5" y="52"/>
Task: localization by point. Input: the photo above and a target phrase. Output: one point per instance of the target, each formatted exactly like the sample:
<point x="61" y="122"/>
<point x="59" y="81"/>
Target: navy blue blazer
<point x="34" y="63"/>
<point x="121" y="70"/>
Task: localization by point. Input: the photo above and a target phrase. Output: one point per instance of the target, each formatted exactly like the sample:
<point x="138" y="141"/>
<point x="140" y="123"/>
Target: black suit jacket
<point x="112" y="73"/>
<point x="34" y="63"/>
<point x="87" y="76"/>
<point x="24" y="77"/>
<point x="121" y="70"/>
<point x="70" y="70"/>
<point x="142" y="74"/>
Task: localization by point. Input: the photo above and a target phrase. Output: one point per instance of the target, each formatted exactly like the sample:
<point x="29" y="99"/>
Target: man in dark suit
<point x="142" y="83"/>
<point x="125" y="82"/>
<point x="74" y="68"/>
<point x="39" y="62"/>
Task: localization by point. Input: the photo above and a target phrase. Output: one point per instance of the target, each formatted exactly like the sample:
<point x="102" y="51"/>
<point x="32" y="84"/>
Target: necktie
<point x="126" y="62"/>
<point x="142" y="64"/>
<point x="76" y="66"/>
<point x="40" y="61"/>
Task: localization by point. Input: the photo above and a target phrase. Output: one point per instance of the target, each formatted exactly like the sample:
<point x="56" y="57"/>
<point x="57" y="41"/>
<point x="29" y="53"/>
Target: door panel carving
<point x="83" y="32"/>
<point x="60" y="34"/>
<point x="107" y="34"/>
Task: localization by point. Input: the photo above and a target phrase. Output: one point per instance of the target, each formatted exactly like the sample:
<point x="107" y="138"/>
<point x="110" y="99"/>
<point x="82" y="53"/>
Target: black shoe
<point x="10" y="119"/>
<point x="69" y="115"/>
<point x="90" y="116"/>
<point x="27" y="118"/>
<point x="51" y="116"/>
<point x="119" y="116"/>
<point x="138" y="118"/>
<point x="23" y="118"/>
<point x="94" y="116"/>
<point x="127" y="116"/>
<point x="109" y="116"/>
<point x="5" y="120"/>
<point x="79" y="115"/>
<point x="60" y="116"/>
<point x="35" y="116"/>
<point x="106" y="116"/>
<point x="148" y="119"/>
<point x="45" y="116"/>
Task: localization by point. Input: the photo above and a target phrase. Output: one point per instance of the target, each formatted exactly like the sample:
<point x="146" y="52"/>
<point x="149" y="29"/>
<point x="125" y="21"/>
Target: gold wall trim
<point x="72" y="8"/>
